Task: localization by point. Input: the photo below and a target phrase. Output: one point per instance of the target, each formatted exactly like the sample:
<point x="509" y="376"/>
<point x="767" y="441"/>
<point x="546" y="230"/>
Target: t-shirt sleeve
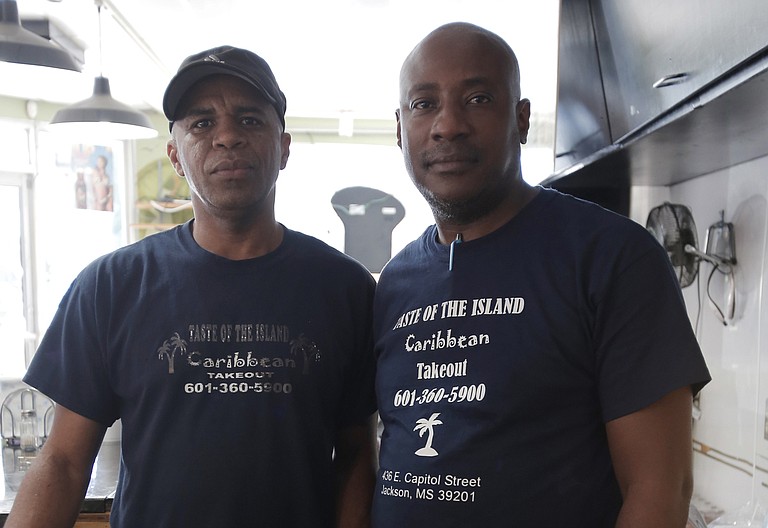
<point x="69" y="365"/>
<point x="645" y="345"/>
<point x="359" y="398"/>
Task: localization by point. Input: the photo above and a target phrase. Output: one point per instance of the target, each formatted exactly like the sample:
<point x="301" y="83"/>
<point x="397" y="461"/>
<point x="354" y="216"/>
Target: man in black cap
<point x="237" y="352"/>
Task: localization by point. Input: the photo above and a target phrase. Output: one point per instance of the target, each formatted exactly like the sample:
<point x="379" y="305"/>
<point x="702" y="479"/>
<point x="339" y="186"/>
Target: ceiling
<point x="329" y="57"/>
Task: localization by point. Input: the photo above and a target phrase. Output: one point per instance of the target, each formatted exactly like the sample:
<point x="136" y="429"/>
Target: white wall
<point x="730" y="437"/>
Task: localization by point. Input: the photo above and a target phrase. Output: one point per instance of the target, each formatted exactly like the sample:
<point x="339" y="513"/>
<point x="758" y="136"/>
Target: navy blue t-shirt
<point x="495" y="380"/>
<point x="231" y="378"/>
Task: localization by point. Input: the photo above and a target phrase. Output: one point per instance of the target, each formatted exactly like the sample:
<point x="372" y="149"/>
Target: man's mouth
<point x="450" y="163"/>
<point x="231" y="166"/>
<point x="448" y="160"/>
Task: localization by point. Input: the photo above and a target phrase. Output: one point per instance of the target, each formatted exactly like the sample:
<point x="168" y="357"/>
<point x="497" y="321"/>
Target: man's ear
<point x="523" y="119"/>
<point x="285" y="141"/>
<point x="399" y="139"/>
<point x="173" y="155"/>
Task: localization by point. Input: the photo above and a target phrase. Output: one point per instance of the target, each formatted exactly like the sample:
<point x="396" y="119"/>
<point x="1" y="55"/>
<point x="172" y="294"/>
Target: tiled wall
<point x="731" y="434"/>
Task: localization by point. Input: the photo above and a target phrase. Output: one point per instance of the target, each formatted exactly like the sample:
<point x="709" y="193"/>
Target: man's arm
<point x="652" y="455"/>
<point x="52" y="492"/>
<point x="355" y="472"/>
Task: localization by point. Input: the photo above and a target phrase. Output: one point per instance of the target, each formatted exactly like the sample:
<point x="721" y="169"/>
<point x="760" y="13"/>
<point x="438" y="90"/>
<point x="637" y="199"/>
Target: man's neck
<point x="503" y="213"/>
<point x="237" y="242"/>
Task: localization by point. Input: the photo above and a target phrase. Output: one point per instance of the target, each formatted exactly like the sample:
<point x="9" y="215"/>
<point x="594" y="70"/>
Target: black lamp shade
<point x="22" y="46"/>
<point x="104" y="112"/>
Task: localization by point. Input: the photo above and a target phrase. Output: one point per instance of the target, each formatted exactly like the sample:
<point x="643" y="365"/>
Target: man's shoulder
<point x="320" y="254"/>
<point x="577" y="214"/>
<point x="154" y="247"/>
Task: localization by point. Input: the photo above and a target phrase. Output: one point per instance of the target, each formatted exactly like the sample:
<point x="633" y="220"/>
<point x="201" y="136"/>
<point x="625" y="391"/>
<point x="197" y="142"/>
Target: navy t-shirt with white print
<point x="231" y="378"/>
<point x="495" y="379"/>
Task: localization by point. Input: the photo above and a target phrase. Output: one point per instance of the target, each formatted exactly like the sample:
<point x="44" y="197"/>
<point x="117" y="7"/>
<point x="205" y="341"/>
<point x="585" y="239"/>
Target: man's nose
<point x="228" y="134"/>
<point x="450" y="123"/>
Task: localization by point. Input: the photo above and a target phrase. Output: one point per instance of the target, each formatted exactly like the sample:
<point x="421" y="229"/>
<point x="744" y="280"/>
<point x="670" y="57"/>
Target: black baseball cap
<point x="223" y="60"/>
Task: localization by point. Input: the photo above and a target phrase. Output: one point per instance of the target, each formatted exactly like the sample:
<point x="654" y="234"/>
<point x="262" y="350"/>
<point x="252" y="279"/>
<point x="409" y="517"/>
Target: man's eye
<point x="202" y="123"/>
<point x="479" y="99"/>
<point x="420" y="105"/>
<point x="251" y="121"/>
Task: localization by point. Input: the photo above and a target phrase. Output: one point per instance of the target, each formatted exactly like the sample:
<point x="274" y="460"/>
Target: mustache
<point x="449" y="153"/>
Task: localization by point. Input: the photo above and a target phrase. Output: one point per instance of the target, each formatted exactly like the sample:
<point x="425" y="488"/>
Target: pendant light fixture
<point x="22" y="46"/>
<point x="19" y="45"/>
<point x="101" y="116"/>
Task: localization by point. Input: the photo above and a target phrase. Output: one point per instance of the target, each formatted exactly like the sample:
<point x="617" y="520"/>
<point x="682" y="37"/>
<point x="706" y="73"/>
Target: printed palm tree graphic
<point x="308" y="350"/>
<point x="427" y="425"/>
<point x="169" y="348"/>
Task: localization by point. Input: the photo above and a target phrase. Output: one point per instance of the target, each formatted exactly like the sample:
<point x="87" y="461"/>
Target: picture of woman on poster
<point x="101" y="185"/>
<point x="94" y="184"/>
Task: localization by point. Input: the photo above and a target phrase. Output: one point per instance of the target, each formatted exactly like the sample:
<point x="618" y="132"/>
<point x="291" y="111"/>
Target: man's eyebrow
<point x="251" y="109"/>
<point x="422" y="87"/>
<point x="198" y="111"/>
<point x="206" y="111"/>
<point x="429" y="86"/>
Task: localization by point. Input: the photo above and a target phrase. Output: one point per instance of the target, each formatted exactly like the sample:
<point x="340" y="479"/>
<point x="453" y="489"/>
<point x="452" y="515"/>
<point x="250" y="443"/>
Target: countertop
<point x="101" y="489"/>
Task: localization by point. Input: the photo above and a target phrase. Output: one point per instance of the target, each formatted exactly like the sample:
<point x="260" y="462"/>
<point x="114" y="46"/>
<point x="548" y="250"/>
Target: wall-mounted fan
<point x="674" y="228"/>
